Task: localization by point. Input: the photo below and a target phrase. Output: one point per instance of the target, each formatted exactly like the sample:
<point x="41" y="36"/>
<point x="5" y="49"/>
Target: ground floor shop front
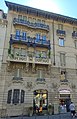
<point x="40" y="102"/>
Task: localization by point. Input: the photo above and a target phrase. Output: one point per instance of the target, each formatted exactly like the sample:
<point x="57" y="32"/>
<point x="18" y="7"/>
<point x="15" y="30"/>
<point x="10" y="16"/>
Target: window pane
<point x="61" y="42"/>
<point x="16" y="96"/>
<point x="24" y="18"/>
<point x="17" y="34"/>
<point x="22" y="96"/>
<point x="16" y="51"/>
<point x="19" y="16"/>
<point x="9" y="96"/>
<point x="23" y="35"/>
<point x="23" y="52"/>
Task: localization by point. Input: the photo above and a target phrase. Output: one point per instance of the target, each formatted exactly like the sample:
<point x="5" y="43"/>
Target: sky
<point x="63" y="7"/>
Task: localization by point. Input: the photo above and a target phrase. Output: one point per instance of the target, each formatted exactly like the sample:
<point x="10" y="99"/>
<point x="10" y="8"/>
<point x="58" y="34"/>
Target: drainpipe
<point x="53" y="43"/>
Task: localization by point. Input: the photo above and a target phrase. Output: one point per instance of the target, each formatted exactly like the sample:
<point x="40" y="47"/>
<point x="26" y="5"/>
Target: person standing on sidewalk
<point x="72" y="109"/>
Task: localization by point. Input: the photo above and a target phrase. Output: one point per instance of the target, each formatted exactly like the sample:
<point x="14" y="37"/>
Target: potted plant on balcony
<point x="30" y="111"/>
<point x="49" y="54"/>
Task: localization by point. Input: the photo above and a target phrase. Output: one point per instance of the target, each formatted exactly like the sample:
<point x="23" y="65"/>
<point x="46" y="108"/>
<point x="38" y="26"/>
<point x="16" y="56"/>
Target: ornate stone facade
<point x="39" y="61"/>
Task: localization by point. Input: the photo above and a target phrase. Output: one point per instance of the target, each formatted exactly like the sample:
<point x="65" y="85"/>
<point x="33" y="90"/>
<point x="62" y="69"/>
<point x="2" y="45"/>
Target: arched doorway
<point x="40" y="100"/>
<point x="64" y="96"/>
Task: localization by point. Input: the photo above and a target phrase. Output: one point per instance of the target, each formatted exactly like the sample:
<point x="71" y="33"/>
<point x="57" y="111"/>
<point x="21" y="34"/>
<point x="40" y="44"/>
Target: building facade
<point x="40" y="61"/>
<point x="3" y="26"/>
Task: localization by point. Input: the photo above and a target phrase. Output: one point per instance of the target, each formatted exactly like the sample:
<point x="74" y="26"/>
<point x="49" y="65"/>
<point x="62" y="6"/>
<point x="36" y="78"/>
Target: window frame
<point x="61" y="42"/>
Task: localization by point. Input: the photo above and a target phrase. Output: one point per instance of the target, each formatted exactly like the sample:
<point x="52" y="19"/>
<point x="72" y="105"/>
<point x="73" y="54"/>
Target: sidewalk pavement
<point x="56" y="116"/>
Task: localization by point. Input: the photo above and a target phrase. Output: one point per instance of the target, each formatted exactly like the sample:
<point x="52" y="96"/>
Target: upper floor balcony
<point x="31" y="24"/>
<point x="74" y="34"/>
<point x="28" y="58"/>
<point x="29" y="41"/>
<point x="61" y="32"/>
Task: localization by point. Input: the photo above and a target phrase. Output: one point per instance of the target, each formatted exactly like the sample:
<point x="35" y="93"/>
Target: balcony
<point x="41" y="80"/>
<point x="30" y="24"/>
<point x="61" y="32"/>
<point x="29" y="41"/>
<point x="74" y="34"/>
<point x="28" y="59"/>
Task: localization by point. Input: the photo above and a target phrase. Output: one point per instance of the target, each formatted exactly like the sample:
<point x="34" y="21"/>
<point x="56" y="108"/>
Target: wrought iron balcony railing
<point x="29" y="41"/>
<point x="30" y="24"/>
<point x="40" y="80"/>
<point x="61" y="32"/>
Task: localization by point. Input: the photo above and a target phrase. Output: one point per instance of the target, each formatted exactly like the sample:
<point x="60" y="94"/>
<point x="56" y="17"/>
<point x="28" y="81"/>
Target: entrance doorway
<point x="66" y="99"/>
<point x="40" y="101"/>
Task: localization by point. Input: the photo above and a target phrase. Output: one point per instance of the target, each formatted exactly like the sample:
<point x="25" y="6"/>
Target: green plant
<point x="9" y="51"/>
<point x="12" y="55"/>
<point x="49" y="53"/>
<point x="17" y="54"/>
<point x="49" y="106"/>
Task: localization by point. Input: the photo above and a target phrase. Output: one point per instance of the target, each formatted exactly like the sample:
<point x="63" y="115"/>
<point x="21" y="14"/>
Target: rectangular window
<point x="62" y="59"/>
<point x="61" y="41"/>
<point x="38" y="21"/>
<point x="16" y="96"/>
<point x="9" y="96"/>
<point x="24" y="18"/>
<point x="37" y="37"/>
<point x="34" y="20"/>
<point x="60" y="26"/>
<point x="43" y="21"/>
<point x="44" y="38"/>
<point x="44" y="55"/>
<point x="23" y="52"/>
<point x="19" y="16"/>
<point x="16" y="52"/>
<point x="23" y="35"/>
<point x="30" y="19"/>
<point x="22" y="96"/>
<point x="17" y="35"/>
